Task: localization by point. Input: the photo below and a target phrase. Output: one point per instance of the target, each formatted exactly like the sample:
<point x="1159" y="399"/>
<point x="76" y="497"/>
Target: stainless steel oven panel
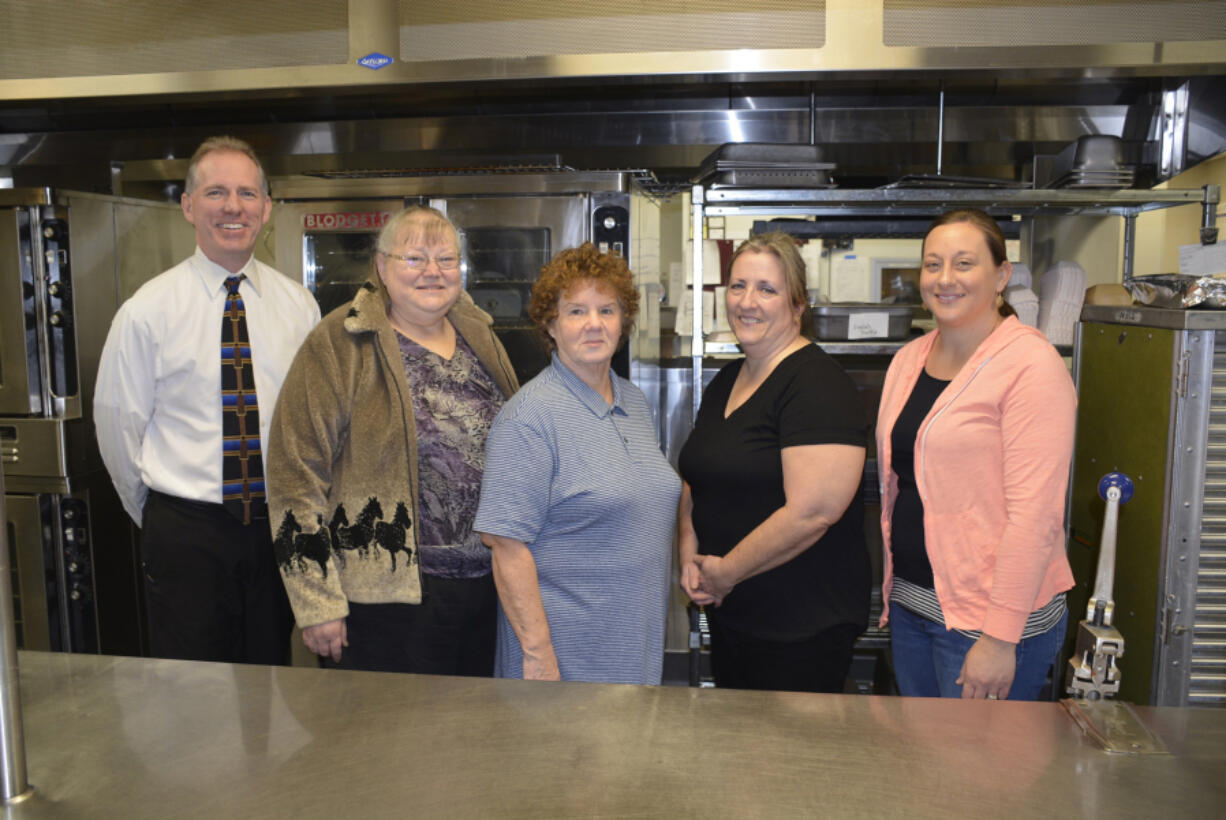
<point x="76" y="581"/>
<point x="99" y="569"/>
<point x="325" y="243"/>
<point x="504" y="303"/>
<point x="117" y="245"/>
<point x="445" y="186"/>
<point x="67" y="260"/>
<point x="56" y="294"/>
<point x="42" y="367"/>
<point x="46" y="448"/>
<point x="25" y="538"/>
<point x="21" y="386"/>
<point x="565" y="215"/>
<point x="150" y="237"/>
<point x="292" y="222"/>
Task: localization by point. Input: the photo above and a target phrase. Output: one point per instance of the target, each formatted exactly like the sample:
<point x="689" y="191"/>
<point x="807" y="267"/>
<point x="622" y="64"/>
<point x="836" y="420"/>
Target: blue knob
<point x="1116" y="480"/>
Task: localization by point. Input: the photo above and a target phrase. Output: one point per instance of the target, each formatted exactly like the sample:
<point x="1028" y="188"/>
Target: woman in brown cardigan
<point x="375" y="465"/>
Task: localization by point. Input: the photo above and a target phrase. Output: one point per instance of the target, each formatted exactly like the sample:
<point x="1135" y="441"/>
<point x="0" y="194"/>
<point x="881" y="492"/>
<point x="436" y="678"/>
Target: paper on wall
<point x="811" y="253"/>
<point x="849" y="280"/>
<point x="684" y="325"/>
<point x="710" y="262"/>
<point x="675" y="289"/>
<point x="1202" y="260"/>
<point x="721" y="310"/>
<point x="649" y="312"/>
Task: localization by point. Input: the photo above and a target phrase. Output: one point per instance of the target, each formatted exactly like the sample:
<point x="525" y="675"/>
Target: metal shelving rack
<point x="1128" y="204"/>
<point x="716" y="200"/>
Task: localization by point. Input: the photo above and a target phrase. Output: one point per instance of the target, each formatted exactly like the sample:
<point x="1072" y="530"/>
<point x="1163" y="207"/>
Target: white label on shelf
<point x="870" y="325"/>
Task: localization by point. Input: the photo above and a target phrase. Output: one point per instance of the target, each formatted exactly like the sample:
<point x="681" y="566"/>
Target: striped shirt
<point x="583" y="483"/>
<point x="923" y="602"/>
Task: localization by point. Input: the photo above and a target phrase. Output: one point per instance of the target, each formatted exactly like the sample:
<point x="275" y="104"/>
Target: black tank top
<point x="907" y="520"/>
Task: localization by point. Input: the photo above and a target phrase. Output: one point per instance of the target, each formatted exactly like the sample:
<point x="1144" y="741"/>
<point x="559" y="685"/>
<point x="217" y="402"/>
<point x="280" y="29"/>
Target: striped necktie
<point x="242" y="467"/>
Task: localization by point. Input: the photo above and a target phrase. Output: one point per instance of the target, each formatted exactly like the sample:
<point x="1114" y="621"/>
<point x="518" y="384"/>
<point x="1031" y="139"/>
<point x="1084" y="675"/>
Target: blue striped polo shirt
<point x="585" y="486"/>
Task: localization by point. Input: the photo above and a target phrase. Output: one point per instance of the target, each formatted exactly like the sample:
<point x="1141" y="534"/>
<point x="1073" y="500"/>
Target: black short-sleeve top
<point x="734" y="468"/>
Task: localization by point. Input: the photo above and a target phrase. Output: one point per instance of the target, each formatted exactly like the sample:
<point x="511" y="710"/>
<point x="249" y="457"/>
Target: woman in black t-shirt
<point x="771" y="536"/>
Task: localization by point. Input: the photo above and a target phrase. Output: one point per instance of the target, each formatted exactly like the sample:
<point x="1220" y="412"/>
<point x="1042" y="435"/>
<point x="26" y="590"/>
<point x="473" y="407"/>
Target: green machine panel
<point x="1125" y="385"/>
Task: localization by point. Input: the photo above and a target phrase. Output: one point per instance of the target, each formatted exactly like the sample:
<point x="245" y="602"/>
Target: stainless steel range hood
<point x="292" y="44"/>
<point x="600" y="86"/>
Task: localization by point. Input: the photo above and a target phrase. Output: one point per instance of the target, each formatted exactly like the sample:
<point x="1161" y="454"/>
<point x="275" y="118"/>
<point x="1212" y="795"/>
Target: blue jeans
<point x="928" y="658"/>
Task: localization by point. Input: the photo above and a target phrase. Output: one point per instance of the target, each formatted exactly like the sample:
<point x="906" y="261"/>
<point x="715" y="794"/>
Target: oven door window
<point x="503" y="264"/>
<point x="336" y="265"/>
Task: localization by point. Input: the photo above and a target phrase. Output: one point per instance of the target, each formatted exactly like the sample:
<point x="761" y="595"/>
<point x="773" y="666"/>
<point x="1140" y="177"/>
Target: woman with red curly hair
<point x="578" y="504"/>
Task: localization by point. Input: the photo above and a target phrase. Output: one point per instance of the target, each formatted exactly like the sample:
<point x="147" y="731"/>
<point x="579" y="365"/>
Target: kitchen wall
<point x="1160" y="233"/>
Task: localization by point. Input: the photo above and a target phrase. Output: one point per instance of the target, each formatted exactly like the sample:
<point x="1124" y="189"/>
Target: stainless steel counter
<point x="128" y="737"/>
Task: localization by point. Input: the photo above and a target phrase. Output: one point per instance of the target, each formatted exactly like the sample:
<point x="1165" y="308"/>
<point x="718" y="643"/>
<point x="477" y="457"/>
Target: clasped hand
<point x="327" y="639"/>
<point x="706" y="580"/>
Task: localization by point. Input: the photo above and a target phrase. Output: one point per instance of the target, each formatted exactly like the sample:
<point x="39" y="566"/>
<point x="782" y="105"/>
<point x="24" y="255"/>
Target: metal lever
<point x="1092" y="671"/>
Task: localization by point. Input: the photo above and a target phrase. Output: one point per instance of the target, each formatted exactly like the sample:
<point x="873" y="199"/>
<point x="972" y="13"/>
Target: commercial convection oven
<point x="510" y="225"/>
<point x="67" y="260"/>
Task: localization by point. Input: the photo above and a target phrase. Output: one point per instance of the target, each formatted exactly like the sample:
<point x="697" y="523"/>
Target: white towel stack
<point x="1020" y="295"/>
<point x="1061" y="294"/>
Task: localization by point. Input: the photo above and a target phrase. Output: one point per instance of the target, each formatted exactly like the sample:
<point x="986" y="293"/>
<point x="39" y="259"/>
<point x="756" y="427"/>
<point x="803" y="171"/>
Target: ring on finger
<point x="993" y="697"/>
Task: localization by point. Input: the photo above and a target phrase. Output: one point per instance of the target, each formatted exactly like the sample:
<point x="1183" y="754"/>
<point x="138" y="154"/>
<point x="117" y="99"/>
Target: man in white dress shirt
<point x="212" y="587"/>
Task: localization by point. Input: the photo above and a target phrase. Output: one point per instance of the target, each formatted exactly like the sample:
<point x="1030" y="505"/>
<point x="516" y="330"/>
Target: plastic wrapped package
<point x="1025" y="303"/>
<point x="1020" y="296"/>
<point x="1021" y="277"/>
<point x="1061" y="294"/>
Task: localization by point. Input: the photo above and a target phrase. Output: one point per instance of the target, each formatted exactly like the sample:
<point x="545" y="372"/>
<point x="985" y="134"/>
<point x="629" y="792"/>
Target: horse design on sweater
<point x="294" y="549"/>
<point x="359" y="536"/>
<point x="293" y="546"/>
<point x="392" y="536"/>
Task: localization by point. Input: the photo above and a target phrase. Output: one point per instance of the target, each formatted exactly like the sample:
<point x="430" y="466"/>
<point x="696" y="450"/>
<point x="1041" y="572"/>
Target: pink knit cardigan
<point x="992" y="466"/>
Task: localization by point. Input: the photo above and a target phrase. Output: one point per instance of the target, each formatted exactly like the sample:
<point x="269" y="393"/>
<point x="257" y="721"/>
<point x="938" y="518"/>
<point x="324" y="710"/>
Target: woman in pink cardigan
<point x="974" y="438"/>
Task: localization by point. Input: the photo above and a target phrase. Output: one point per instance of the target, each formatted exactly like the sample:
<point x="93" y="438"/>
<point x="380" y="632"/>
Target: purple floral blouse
<point x="454" y="404"/>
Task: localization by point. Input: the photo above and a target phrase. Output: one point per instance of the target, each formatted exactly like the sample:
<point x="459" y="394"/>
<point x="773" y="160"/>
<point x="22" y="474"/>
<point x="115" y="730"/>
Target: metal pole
<point x="697" y="208"/>
<point x="12" y="734"/>
<point x="812" y="115"/>
<point x="1208" y="226"/>
<point x="941" y="128"/>
<point x="1130" y="241"/>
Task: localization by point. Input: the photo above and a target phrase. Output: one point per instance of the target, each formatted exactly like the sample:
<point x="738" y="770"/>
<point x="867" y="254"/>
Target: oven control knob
<point x="58" y="319"/>
<point x="51" y="231"/>
<point x="73" y="566"/>
<point x="75" y="594"/>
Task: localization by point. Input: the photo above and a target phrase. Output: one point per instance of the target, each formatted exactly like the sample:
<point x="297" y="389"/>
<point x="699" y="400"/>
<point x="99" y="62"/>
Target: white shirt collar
<point x="213" y="276"/>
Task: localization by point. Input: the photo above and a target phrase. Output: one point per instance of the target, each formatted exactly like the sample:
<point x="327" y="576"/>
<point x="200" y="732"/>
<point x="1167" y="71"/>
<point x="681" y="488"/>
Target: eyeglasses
<point x="417" y="261"/>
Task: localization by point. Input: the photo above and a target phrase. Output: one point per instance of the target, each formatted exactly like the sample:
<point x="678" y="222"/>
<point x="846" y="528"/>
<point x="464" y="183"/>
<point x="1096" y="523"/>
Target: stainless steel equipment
<point x="1093" y="674"/>
<point x="158" y="738"/>
<point x="1091" y="161"/>
<point x="1092" y="671"/>
<point x="67" y="260"/>
<point x="856" y="322"/>
<point x="1157" y="375"/>
<point x="14" y="784"/>
<point x="510" y="225"/>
